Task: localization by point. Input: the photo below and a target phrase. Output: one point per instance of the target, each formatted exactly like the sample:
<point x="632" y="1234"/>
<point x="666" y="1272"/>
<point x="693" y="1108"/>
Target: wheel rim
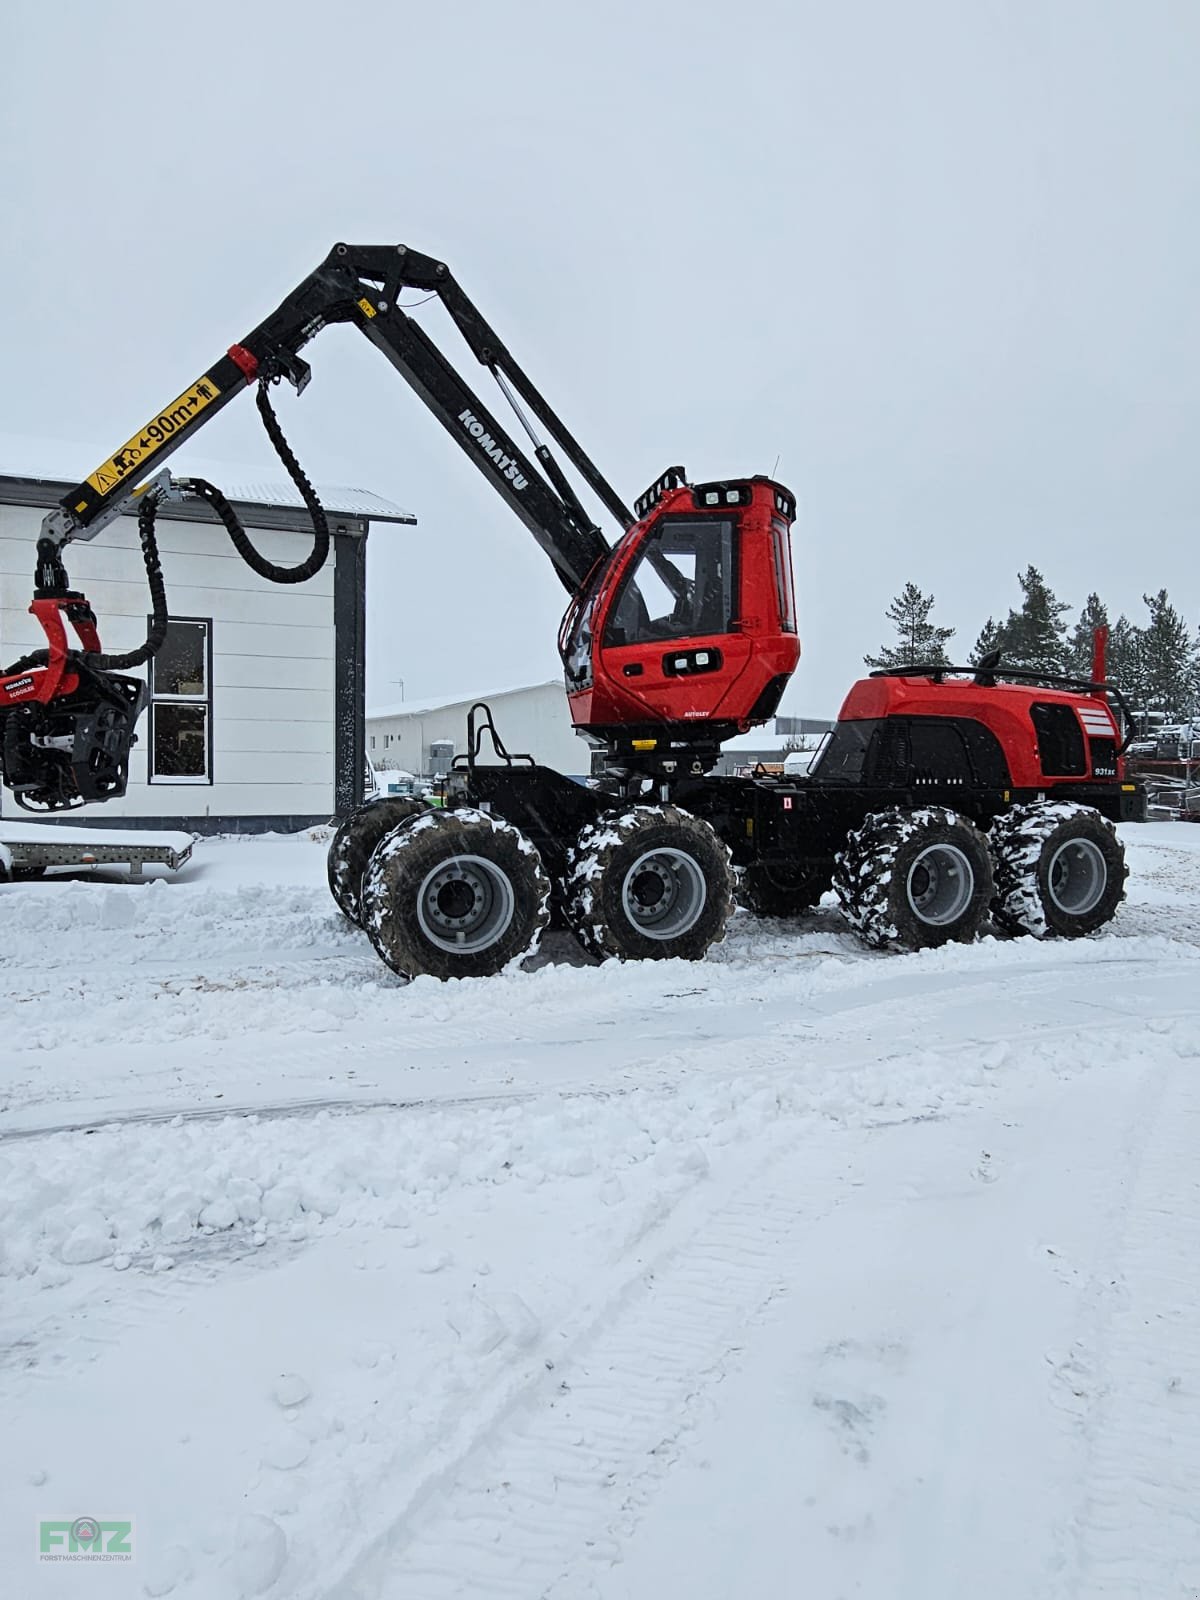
<point x="1077" y="877"/>
<point x="941" y="882"/>
<point x="465" y="904"/>
<point x="663" y="893"/>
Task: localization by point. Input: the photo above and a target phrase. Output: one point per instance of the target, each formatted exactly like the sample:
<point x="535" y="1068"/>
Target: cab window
<point x="679" y="586"/>
<point x="781" y="548"/>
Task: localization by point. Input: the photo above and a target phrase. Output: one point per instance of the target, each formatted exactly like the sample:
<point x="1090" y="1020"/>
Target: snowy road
<point x="797" y="1271"/>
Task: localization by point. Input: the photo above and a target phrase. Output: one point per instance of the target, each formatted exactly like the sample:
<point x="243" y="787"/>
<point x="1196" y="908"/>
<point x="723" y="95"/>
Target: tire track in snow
<point x="532" y="1487"/>
<point x="666" y="1069"/>
<point x="1138" y="1533"/>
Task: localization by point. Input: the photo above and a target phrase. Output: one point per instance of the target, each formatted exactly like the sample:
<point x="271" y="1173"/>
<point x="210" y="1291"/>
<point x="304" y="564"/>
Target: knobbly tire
<point x="649" y="884"/>
<point x="913" y="880"/>
<point x="773" y="891"/>
<point x="455" y="894"/>
<point x="353" y="845"/>
<point x="1059" y="868"/>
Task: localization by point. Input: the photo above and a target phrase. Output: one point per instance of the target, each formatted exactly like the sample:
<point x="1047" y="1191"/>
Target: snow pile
<point x="123" y="924"/>
<point x="146" y="1196"/>
<point x="153" y="1192"/>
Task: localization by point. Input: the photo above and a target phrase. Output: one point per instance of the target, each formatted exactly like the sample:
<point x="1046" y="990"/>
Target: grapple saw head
<point x="66" y="727"/>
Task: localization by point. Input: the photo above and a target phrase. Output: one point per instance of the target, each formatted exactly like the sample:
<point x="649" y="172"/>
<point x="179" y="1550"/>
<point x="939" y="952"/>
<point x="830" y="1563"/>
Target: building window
<point x="372" y="741"/>
<point x="181" y="704"/>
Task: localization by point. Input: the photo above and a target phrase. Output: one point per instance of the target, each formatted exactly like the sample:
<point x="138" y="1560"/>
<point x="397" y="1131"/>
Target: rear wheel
<point x="353" y="845"/>
<point x="912" y="880"/>
<point x="455" y="894"/>
<point x="1060" y="870"/>
<point x="776" y="891"/>
<point x="648" y="885"/>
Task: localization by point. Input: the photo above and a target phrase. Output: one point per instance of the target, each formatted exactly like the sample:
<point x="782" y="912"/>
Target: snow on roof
<point x="63" y="463"/>
<point x="334" y="497"/>
<point x="446" y="702"/>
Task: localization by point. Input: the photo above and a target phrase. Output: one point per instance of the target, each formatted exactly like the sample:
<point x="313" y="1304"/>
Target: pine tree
<point x="1035" y="637"/>
<point x="919" y="642"/>
<point x="1125" y="666"/>
<point x="991" y="637"/>
<point x="1170" y="665"/>
<point x="1094" y="615"/>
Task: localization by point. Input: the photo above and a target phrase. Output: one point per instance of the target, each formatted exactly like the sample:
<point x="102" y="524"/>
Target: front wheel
<point x="1060" y="870"/>
<point x="649" y="884"/>
<point x="455" y="894"/>
<point x="911" y="880"/>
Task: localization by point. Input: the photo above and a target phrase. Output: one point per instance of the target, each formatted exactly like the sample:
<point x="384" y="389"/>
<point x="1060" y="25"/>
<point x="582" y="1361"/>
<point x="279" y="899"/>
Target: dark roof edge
<point x="46" y="493"/>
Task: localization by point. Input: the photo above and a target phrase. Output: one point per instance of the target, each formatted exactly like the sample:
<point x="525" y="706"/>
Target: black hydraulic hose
<point x="148" y="511"/>
<point x="252" y="557"/>
<point x="157" y="630"/>
<point x="37" y="658"/>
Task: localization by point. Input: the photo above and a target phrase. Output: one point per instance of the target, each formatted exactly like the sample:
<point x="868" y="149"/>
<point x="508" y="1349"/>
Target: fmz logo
<point x="85" y="1539"/>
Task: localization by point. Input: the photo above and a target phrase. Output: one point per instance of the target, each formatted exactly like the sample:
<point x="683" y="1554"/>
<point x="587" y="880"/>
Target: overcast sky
<point x="941" y="259"/>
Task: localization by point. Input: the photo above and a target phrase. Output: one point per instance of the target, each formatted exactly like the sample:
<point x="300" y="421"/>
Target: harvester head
<point x="61" y="754"/>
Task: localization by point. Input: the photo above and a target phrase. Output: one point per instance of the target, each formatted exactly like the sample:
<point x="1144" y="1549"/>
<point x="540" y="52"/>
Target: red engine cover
<point x="1004" y="709"/>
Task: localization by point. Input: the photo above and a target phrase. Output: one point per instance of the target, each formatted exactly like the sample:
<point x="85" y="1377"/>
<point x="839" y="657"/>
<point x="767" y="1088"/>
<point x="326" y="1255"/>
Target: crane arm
<point x="361" y="285"/>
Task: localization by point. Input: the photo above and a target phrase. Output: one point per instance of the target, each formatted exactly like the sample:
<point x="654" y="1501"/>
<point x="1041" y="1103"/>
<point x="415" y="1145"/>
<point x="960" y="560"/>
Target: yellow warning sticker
<point x="127" y="462"/>
<point x="366" y="307"/>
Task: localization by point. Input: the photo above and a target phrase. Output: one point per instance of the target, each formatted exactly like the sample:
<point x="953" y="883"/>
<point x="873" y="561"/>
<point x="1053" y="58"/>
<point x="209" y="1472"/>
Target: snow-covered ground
<point x="798" y="1272"/>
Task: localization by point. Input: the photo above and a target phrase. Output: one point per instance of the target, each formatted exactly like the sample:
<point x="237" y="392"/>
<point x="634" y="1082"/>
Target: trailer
<point x="30" y="849"/>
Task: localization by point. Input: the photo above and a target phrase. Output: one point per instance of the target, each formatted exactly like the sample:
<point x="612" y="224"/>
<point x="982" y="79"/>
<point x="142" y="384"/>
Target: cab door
<point x="671" y="634"/>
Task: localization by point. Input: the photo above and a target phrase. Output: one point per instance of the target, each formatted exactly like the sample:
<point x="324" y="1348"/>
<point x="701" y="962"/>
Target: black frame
<point x="783" y="822"/>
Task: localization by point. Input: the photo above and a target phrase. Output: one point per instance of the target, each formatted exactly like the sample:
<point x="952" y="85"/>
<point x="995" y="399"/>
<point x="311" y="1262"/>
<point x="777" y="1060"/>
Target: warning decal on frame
<point x="127" y="462"/>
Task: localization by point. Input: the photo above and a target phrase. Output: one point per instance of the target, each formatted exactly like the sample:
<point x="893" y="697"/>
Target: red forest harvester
<point x="944" y="797"/>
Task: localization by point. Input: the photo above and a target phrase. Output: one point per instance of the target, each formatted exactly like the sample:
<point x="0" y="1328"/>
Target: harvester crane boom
<point x="361" y="285"/>
<point x="67" y="716"/>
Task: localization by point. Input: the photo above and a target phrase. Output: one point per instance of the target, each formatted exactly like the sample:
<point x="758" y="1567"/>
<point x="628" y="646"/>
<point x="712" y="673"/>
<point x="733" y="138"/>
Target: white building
<point x="423" y="736"/>
<point x="256" y="712"/>
<point x="769" y="746"/>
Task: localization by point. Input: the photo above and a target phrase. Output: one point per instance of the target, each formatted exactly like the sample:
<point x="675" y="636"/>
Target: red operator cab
<point x="690" y="622"/>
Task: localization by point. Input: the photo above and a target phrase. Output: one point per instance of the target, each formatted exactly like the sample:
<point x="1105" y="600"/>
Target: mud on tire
<point x="649" y="884"/>
<point x="455" y="894"/>
<point x="1059" y="868"/>
<point x="912" y="880"/>
<point x="353" y="845"/>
